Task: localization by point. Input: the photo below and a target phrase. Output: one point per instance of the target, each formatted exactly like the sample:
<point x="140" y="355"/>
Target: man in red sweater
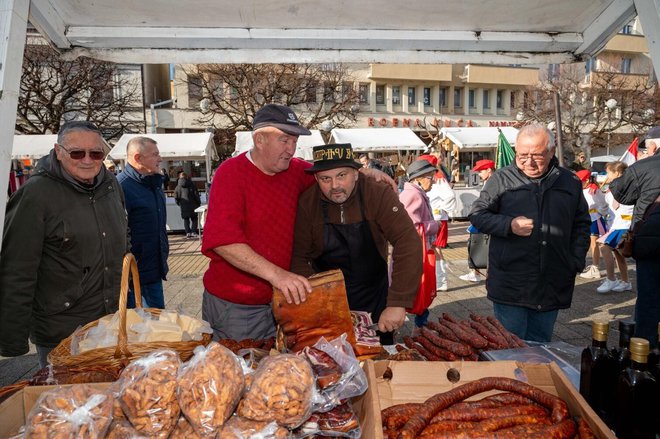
<point x="248" y="233"/>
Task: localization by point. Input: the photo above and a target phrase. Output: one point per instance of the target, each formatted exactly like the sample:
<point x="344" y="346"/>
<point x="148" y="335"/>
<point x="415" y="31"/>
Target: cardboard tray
<point x="415" y="381"/>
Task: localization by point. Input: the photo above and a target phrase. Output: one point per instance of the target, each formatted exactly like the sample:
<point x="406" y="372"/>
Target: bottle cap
<point x="639" y="349"/>
<point x="626" y="330"/>
<point x="599" y="330"/>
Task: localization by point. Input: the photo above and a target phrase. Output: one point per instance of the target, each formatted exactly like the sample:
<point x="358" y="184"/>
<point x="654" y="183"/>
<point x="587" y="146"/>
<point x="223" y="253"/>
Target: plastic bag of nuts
<point x="209" y="388"/>
<point x="281" y="390"/>
<point x="184" y="430"/>
<point x="122" y="429"/>
<point x="79" y="411"/>
<point x="239" y="428"/>
<point x="147" y="393"/>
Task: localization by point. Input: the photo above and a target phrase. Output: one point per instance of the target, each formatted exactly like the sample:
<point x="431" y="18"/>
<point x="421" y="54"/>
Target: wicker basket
<point x="120" y="355"/>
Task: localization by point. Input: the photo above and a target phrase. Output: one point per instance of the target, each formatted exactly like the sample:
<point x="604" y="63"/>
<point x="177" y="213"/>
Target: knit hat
<point x="419" y="168"/>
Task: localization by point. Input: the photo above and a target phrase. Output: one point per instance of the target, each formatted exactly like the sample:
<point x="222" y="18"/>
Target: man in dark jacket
<point x="145" y="203"/>
<point x="64" y="238"/>
<point x="345" y="221"/>
<point x="538" y="221"/>
<point x="640" y="185"/>
<point x="187" y="198"/>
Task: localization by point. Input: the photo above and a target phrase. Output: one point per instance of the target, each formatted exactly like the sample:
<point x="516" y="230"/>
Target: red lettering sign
<point x="382" y="122"/>
<point x="370" y="122"/>
<point x="395" y="121"/>
<point x="406" y="123"/>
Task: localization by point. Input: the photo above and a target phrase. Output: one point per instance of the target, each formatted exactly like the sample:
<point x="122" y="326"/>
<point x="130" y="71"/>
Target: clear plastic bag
<point x="209" y="388"/>
<point x="79" y="411"/>
<point x="147" y="393"/>
<point x="122" y="429"/>
<point x="242" y="428"/>
<point x="341" y="421"/>
<point x="282" y="390"/>
<point x="184" y="430"/>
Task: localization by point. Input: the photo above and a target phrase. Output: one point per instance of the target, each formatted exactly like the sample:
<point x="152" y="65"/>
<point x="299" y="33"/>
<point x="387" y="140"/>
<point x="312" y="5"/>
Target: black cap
<point x="654" y="133"/>
<point x="419" y="168"/>
<point x="281" y="117"/>
<point x="334" y="155"/>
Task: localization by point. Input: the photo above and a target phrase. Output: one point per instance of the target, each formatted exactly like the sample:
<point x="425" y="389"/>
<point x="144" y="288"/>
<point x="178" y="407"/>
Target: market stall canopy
<point x="378" y="139"/>
<point x="304" y="150"/>
<point x="35" y="146"/>
<point x="181" y="146"/>
<point x="263" y="31"/>
<point x="479" y="137"/>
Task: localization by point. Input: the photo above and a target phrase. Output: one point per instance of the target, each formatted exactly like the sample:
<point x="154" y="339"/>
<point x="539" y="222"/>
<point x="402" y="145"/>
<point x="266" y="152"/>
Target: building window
<point x="500" y="99"/>
<point x="442" y="97"/>
<point x="471" y="98"/>
<point x="380" y="95"/>
<point x="627" y="29"/>
<point x="486" y="98"/>
<point x="364" y="94"/>
<point x="195" y="89"/>
<point x="457" y="98"/>
<point x="411" y="96"/>
<point x="396" y="95"/>
<point x="328" y="92"/>
<point x="625" y="65"/>
<point x="427" y="96"/>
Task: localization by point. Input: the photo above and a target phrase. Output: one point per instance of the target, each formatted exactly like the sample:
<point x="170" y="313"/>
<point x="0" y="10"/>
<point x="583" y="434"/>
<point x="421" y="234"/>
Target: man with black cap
<point x="346" y="221"/>
<point x="248" y="234"/>
<point x="640" y="185"/>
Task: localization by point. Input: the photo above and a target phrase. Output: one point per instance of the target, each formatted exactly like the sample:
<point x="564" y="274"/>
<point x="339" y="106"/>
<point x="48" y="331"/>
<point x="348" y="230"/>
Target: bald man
<point x="145" y="204"/>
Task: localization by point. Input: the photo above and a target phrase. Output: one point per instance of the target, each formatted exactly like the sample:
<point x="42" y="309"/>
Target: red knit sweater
<point x="247" y="206"/>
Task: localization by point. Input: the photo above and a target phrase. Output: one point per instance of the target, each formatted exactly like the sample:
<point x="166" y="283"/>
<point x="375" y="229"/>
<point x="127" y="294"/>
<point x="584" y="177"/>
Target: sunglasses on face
<point x="79" y="154"/>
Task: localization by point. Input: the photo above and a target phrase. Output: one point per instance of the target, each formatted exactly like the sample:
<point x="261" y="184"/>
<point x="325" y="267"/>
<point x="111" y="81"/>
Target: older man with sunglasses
<point x="538" y="224"/>
<point x="64" y="238"/>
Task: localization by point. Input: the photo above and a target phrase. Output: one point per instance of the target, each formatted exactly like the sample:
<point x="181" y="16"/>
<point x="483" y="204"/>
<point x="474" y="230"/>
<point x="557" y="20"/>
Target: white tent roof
<point x="479" y="137"/>
<point x="304" y="150"/>
<point x="252" y="31"/>
<point x="182" y="146"/>
<point x="35" y="146"/>
<point x="378" y="139"/>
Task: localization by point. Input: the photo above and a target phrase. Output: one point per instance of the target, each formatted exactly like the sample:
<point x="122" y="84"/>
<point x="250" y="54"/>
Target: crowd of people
<point x="273" y="220"/>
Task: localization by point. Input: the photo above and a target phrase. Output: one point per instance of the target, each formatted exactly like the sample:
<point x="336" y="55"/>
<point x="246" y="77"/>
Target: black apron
<point x="351" y="248"/>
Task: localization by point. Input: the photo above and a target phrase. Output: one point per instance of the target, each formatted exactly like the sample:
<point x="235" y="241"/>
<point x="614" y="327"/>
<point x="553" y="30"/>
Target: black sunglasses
<point x="79" y="154"/>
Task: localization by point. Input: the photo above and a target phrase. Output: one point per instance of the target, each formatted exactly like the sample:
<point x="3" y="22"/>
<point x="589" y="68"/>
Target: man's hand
<point x="391" y="319"/>
<point x="380" y="176"/>
<point x="293" y="286"/>
<point x="522" y="226"/>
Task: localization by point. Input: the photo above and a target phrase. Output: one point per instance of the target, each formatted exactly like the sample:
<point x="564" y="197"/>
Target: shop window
<point x="457" y="98"/>
<point x="396" y="95"/>
<point x="411" y="96"/>
<point x="427" y="96"/>
<point x="442" y="97"/>
<point x="486" y="98"/>
<point x="364" y="94"/>
<point x="380" y="95"/>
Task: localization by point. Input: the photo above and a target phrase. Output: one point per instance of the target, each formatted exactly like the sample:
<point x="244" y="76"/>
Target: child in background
<point x="621" y="216"/>
<point x="597" y="211"/>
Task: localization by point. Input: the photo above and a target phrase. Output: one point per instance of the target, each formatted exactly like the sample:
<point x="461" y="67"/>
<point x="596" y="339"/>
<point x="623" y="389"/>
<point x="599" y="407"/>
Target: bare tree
<point x="54" y="91"/>
<point x="231" y="94"/>
<point x="586" y="119"/>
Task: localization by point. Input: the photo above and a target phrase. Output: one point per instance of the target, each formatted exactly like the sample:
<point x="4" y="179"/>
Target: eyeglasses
<point x="79" y="154"/>
<point x="534" y="157"/>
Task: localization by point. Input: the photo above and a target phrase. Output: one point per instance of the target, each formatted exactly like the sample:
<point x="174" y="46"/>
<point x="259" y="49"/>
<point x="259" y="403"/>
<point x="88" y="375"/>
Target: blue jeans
<point x="42" y="355"/>
<point x="647" y="307"/>
<point x="420" y="320"/>
<point x="526" y="323"/>
<point x="152" y="295"/>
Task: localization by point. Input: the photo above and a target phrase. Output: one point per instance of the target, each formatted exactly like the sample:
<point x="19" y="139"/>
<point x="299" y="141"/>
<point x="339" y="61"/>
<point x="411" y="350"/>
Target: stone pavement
<point x="183" y="290"/>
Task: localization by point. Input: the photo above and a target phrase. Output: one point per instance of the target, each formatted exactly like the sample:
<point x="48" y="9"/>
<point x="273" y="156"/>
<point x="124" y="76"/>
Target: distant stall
<point x="378" y="139"/>
<point x="304" y="150"/>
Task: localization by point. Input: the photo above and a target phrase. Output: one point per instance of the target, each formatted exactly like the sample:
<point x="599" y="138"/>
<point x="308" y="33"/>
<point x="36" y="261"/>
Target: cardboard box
<point x="415" y="381"/>
<point x="15" y="409"/>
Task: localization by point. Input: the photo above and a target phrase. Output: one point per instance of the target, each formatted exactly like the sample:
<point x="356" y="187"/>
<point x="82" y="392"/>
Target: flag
<point x="504" y="154"/>
<point x="630" y="156"/>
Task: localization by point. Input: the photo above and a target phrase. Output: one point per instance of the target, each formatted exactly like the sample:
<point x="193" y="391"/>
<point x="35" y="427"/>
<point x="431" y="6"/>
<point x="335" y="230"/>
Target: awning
<point x="304" y="150"/>
<point x="182" y="146"/>
<point x="378" y="139"/>
<point x="479" y="137"/>
<point x="35" y="146"/>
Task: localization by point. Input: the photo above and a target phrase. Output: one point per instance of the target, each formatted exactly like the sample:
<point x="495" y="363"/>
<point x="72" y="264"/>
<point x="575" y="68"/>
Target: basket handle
<point x="129" y="266"/>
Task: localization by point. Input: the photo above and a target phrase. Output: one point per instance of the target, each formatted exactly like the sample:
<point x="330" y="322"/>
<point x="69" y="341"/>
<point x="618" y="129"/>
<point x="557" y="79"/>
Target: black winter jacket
<point x="62" y="251"/>
<point x="538" y="271"/>
<point x="640" y="185"/>
<point x="187" y="197"/>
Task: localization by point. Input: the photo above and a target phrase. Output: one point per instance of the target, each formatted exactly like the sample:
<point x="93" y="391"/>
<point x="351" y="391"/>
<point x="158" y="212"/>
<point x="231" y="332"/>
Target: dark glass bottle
<point x="598" y="372"/>
<point x="621" y="354"/>
<point x="636" y="415"/>
<point x="654" y="358"/>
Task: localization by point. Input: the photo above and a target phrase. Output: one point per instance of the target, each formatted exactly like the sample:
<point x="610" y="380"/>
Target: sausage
<point x="496" y="400"/>
<point x="488" y="331"/>
<point x="447" y="426"/>
<point x="563" y="430"/>
<point x="505" y="332"/>
<point x="438" y="402"/>
<point x="518" y="341"/>
<point x="459" y="349"/>
<point x="449" y="318"/>
<point x="399" y="348"/>
<point x="584" y="431"/>
<point x="479" y="414"/>
<point x="395" y="417"/>
<point x="443" y="330"/>
<point x="439" y="353"/>
<point x="468" y="336"/>
<point x="419" y="348"/>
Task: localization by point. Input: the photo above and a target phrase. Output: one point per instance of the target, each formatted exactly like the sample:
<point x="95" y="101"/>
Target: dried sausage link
<point x="395" y="417"/>
<point x="480" y="414"/>
<point x="459" y="349"/>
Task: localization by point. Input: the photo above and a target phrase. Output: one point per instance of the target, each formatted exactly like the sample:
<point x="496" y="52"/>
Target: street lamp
<point x="610" y="105"/>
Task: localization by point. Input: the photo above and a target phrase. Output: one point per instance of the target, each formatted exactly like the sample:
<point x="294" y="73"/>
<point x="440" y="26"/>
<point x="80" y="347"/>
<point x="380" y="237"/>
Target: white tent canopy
<point x="32" y="146"/>
<point x="479" y="137"/>
<point x="304" y="150"/>
<point x="378" y="139"/>
<point x="182" y="146"/>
